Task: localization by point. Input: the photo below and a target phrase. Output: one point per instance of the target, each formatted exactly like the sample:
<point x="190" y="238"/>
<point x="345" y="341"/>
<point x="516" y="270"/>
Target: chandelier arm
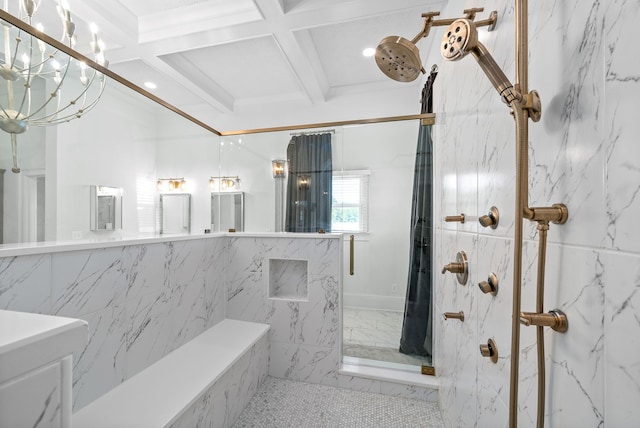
<point x="47" y="119"/>
<point x="44" y="121"/>
<point x="54" y="94"/>
<point x="26" y="96"/>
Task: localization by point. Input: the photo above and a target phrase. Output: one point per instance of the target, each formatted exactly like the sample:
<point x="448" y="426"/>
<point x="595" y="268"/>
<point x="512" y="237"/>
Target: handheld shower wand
<point x="461" y="39"/>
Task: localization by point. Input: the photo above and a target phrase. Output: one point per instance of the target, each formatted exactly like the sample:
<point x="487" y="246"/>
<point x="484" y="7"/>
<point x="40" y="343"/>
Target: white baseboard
<point x="369" y="301"/>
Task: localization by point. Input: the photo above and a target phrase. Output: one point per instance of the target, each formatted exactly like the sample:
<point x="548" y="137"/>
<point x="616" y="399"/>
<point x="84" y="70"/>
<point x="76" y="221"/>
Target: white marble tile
<point x="325" y="257"/>
<point x="208" y="410"/>
<point x="409" y="391"/>
<point x="574" y="360"/>
<point x="307" y="363"/>
<point x="186" y="261"/>
<point x="215" y="304"/>
<point x="622" y="338"/>
<point x="34" y="400"/>
<point x="247" y="297"/>
<point x="319" y="318"/>
<point x="284" y="321"/>
<point x="622" y="127"/>
<point x="246" y="254"/>
<point x="188" y="312"/>
<point x="492" y="410"/>
<point x="566" y="150"/>
<point x="84" y="282"/>
<point x="145" y="269"/>
<point x="494" y="313"/>
<point x="247" y="375"/>
<point x="101" y="365"/>
<point x="467" y="338"/>
<point x="149" y="326"/>
<point x="358" y="383"/>
<point x="25" y="283"/>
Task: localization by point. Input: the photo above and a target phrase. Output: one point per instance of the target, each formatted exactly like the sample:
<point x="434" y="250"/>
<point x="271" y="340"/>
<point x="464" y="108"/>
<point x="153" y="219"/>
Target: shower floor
<point x="284" y="403"/>
<point x="375" y="335"/>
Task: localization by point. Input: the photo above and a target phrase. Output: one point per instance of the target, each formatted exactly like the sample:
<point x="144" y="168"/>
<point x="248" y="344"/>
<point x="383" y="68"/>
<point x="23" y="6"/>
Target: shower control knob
<point x="460" y="267"/>
<point x="490" y="350"/>
<point x="491" y="219"/>
<point x="490" y="285"/>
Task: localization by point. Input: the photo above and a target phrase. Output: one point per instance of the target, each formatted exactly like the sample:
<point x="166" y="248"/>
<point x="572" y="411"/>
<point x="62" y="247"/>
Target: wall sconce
<point x="303" y="181"/>
<point x="171" y="184"/>
<point x="278" y="167"/>
<point x="227" y="183"/>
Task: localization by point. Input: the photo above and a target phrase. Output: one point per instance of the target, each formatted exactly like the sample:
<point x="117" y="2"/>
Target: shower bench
<point x="206" y="382"/>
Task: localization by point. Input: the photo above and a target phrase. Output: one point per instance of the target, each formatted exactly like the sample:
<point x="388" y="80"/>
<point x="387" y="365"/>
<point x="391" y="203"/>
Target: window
<point x="350" y="203"/>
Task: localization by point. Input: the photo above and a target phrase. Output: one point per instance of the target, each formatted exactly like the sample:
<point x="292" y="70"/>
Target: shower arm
<point x="470" y="14"/>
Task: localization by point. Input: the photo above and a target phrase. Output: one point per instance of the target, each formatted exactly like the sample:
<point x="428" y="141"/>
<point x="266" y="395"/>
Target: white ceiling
<point x="237" y="63"/>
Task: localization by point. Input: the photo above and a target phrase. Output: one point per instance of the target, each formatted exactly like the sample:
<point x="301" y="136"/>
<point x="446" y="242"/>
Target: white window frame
<point x="363" y="203"/>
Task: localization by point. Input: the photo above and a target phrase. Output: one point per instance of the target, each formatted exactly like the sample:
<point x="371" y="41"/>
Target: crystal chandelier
<point x="26" y="59"/>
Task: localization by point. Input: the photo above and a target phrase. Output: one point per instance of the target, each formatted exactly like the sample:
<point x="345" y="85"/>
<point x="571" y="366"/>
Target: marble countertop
<point x="22" y="249"/>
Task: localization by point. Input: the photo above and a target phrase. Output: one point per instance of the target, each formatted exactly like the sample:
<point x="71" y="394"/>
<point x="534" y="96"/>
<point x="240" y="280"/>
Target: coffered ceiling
<point x="238" y="63"/>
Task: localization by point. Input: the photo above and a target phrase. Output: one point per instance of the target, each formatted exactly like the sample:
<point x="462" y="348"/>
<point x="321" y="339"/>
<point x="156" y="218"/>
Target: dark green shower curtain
<point x="308" y="203"/>
<point x="416" y="328"/>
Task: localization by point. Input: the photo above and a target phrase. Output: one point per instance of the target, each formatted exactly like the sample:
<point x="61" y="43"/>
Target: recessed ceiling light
<point x="369" y="52"/>
<point x="150" y="85"/>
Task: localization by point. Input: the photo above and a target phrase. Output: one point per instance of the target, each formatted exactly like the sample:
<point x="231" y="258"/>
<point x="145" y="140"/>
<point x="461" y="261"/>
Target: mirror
<point x="175" y="213"/>
<point x="106" y="208"/>
<point x="127" y="141"/>
<point x="227" y="211"/>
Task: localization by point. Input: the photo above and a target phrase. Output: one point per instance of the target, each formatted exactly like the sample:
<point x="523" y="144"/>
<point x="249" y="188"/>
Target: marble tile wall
<point x="304" y="333"/>
<point x="583" y="153"/>
<point x="141" y="302"/>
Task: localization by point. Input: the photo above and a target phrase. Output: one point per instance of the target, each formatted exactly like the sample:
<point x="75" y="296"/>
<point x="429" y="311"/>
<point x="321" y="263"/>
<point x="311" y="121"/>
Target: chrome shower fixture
<point x="399" y="58"/>
<point x="460" y="39"/>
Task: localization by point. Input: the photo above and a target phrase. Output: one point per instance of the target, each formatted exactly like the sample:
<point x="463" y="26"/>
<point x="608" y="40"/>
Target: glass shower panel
<point x="374" y="296"/>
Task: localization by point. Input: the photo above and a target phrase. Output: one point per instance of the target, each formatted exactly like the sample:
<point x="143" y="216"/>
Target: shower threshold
<point x="387" y="372"/>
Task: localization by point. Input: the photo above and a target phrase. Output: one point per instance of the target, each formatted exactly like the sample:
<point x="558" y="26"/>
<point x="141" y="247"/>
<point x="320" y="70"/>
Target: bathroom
<point x="578" y="156"/>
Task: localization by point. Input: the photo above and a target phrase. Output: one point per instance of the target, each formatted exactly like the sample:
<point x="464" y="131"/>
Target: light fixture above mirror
<point x="224" y="183"/>
<point x="171" y="184"/>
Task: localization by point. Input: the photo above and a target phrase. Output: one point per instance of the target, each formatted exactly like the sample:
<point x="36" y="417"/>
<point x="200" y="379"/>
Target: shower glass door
<point x="374" y="296"/>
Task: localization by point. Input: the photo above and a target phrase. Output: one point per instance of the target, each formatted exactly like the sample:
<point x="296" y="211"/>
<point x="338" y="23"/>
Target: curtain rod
<point x="322" y="131"/>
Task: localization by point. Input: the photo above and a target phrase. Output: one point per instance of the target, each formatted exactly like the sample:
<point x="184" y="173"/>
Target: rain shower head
<point x="399" y="59"/>
<point x="460" y="39"/>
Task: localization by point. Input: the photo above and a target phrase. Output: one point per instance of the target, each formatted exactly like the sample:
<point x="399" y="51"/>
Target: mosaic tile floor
<point x="287" y="404"/>
<point x="375" y="335"/>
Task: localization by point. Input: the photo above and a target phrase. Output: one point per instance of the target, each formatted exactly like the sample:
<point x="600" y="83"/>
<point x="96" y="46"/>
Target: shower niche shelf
<point x="288" y="279"/>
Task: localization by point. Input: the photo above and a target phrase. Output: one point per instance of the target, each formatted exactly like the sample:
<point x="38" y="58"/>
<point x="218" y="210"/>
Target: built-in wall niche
<point x="105" y="208"/>
<point x="288" y="279"/>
